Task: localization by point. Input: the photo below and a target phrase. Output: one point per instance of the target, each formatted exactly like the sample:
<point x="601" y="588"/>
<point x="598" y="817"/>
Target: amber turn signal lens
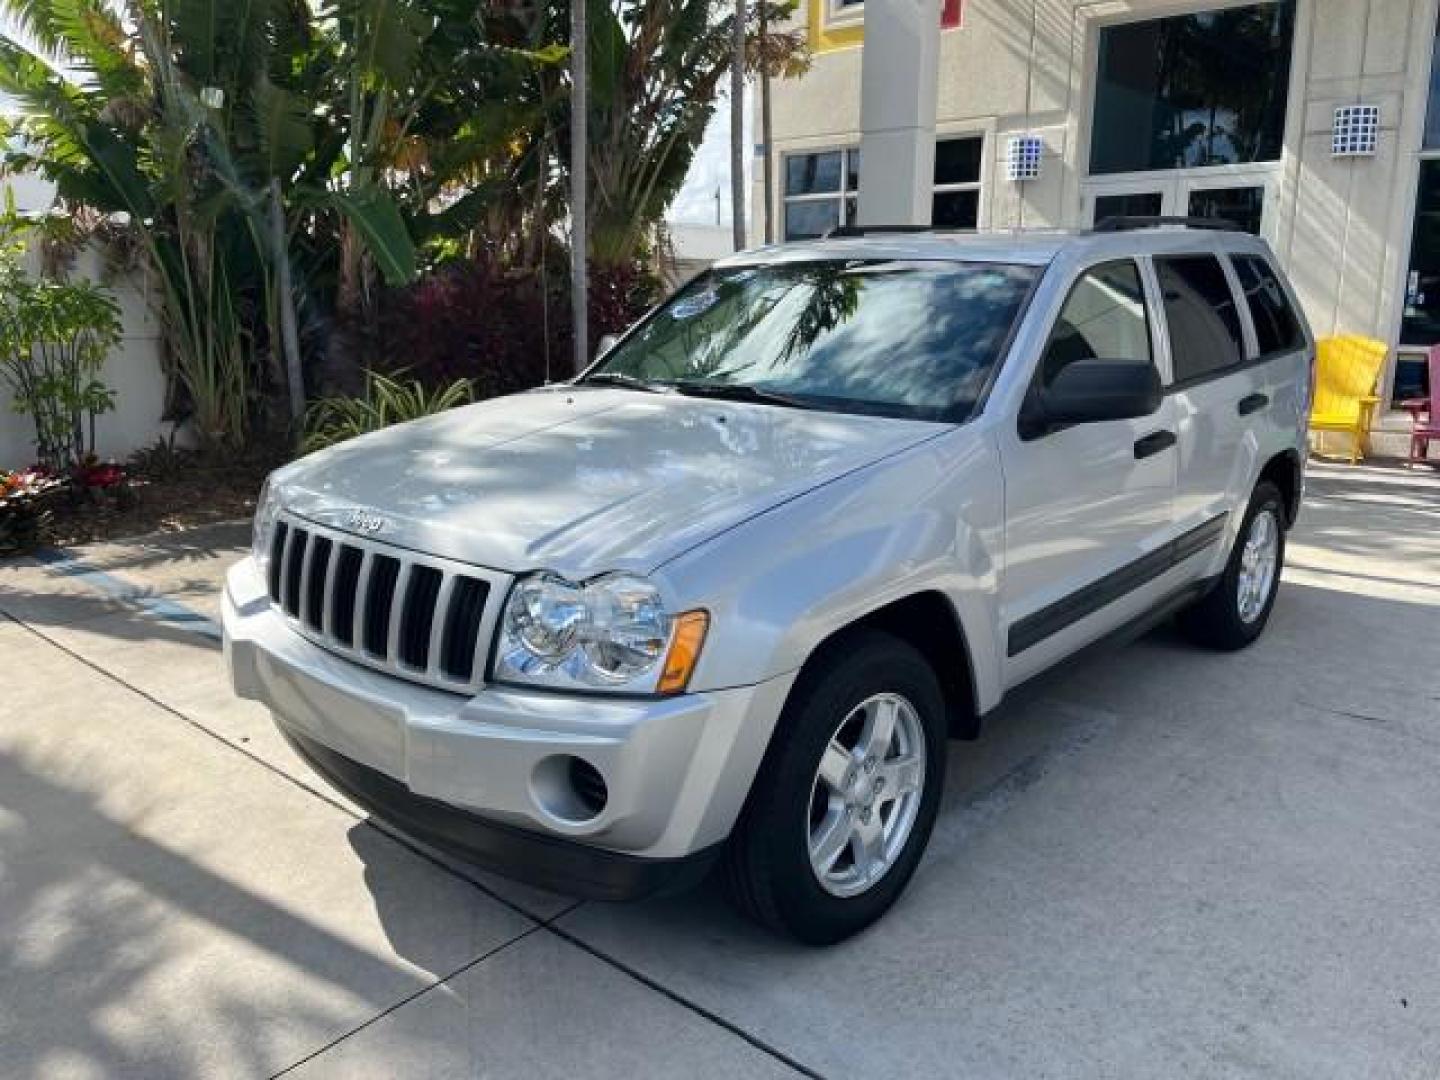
<point x="684" y="652"/>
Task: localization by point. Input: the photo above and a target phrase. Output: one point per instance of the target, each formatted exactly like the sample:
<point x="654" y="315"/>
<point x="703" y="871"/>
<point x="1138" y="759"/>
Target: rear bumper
<point x="476" y="773"/>
<point x="545" y="861"/>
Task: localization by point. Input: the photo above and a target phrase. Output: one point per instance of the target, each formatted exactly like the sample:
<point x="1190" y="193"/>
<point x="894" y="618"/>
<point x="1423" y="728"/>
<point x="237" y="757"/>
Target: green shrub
<point x="387" y="400"/>
<point x="54" y="338"/>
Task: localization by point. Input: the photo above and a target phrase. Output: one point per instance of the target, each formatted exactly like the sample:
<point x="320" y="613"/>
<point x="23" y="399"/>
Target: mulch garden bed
<point x="200" y="495"/>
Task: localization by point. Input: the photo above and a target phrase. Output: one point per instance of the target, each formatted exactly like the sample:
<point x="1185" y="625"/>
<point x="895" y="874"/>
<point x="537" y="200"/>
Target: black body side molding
<point x="1048" y="621"/>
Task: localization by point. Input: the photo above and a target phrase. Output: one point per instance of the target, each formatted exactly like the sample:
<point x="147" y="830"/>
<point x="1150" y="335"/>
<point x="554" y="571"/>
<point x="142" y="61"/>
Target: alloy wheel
<point x="1259" y="560"/>
<point x="866" y="794"/>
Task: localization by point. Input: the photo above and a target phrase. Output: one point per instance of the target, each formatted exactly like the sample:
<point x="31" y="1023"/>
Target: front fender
<point x="783" y="582"/>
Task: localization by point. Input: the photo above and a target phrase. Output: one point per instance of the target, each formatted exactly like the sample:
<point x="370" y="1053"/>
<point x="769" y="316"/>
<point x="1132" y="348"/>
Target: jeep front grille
<point x="420" y="617"/>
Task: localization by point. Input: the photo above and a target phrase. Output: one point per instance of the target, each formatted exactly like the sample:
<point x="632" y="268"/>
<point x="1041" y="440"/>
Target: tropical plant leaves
<point x="282" y="129"/>
<point x="386" y="400"/>
<point x="374" y="213"/>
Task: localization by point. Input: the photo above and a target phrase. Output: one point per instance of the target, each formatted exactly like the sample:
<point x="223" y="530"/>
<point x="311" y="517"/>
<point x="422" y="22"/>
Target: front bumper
<point x="547" y="861"/>
<point x="475" y="774"/>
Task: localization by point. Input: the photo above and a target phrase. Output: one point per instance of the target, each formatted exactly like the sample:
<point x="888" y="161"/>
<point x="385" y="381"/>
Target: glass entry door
<point x="1245" y="205"/>
<point x="1244" y="201"/>
<point x="1421" y="323"/>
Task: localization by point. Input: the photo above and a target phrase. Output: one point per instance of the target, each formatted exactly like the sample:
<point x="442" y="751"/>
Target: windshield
<point x="916" y="339"/>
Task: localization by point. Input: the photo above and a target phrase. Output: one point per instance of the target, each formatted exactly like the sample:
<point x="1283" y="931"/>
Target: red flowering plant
<point x="25" y="497"/>
<point x="103" y="483"/>
<point x="93" y="473"/>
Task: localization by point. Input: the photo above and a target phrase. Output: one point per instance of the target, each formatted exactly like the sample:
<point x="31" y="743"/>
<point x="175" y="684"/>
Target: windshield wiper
<point x="738" y="392"/>
<point x="620" y="378"/>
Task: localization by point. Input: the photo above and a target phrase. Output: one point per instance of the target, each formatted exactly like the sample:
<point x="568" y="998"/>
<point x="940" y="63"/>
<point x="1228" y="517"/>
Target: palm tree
<point x="737" y="126"/>
<point x="579" y="174"/>
<point x="655" y="68"/>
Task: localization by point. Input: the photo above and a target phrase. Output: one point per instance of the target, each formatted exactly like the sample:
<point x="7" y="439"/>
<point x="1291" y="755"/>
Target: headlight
<point x="610" y="633"/>
<point x="267" y="509"/>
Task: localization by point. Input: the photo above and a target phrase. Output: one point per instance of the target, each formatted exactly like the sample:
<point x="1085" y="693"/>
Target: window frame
<point x="977" y="185"/>
<point x="840" y="195"/>
<point x="1075" y="283"/>
<point x="1253" y="347"/>
<point x="1154" y="324"/>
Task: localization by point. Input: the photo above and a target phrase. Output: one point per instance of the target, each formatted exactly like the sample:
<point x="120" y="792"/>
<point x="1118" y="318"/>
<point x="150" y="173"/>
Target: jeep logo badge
<point x="364" y="521"/>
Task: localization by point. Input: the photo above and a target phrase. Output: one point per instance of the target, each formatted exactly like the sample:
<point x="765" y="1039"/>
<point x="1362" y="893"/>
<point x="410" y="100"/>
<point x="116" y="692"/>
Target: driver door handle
<point x="1154" y="443"/>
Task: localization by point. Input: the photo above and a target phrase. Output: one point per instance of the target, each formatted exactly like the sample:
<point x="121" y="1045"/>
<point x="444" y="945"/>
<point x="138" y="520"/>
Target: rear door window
<point x="1201" y="316"/>
<point x="1277" y="329"/>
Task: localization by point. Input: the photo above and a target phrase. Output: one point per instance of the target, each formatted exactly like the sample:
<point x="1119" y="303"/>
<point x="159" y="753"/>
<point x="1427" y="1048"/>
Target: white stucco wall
<point x="132" y="371"/>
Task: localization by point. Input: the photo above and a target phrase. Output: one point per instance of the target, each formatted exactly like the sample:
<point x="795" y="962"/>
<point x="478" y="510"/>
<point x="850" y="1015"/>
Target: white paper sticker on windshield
<point x="691" y="306"/>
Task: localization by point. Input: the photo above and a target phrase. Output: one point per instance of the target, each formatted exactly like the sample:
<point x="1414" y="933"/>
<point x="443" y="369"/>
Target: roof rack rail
<point x="842" y="232"/>
<point x="1129" y="222"/>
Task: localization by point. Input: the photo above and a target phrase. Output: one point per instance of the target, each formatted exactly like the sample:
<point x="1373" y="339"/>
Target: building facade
<point x="1315" y="123"/>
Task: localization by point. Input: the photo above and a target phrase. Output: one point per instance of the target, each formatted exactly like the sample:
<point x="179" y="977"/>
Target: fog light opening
<point x="570" y="789"/>
<point x="589" y="786"/>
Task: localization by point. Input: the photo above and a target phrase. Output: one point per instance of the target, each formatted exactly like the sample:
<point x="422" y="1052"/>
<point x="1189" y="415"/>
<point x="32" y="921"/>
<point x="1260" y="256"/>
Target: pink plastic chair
<point x="1424" y="417"/>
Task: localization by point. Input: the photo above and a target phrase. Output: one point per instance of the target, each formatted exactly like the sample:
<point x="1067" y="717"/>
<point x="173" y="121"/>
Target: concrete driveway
<point x="1156" y="862"/>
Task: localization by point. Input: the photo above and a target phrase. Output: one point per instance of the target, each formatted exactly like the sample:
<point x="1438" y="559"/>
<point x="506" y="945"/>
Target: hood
<point x="582" y="481"/>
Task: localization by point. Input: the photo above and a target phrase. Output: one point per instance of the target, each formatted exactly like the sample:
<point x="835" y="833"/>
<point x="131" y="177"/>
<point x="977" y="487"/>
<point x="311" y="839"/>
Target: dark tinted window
<point x="812" y="219"/>
<point x="1200" y="315"/>
<point x="955" y="210"/>
<point x="808" y="174"/>
<point x="1421" y="325"/>
<point x="956" y="203"/>
<point x="820" y="192"/>
<point x="1103" y="319"/>
<point x="1276" y="327"/>
<point x="957" y="161"/>
<point x="916" y="339"/>
<point x="1244" y="206"/>
<point x="1203" y="89"/>
<point x="1130" y="204"/>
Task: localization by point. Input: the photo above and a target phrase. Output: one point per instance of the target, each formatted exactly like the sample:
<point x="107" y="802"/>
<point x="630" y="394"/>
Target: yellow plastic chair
<point x="1347" y="369"/>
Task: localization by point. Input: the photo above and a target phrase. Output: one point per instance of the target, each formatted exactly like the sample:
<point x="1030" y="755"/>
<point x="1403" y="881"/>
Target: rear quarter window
<point x="1277" y="327"/>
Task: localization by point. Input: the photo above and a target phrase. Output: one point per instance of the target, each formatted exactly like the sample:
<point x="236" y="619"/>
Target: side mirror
<point x="1093" y="391"/>
<point x="605" y="344"/>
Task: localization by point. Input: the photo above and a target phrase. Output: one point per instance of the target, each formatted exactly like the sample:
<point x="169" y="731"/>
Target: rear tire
<point x="1234" y="613"/>
<point x="840" y="811"/>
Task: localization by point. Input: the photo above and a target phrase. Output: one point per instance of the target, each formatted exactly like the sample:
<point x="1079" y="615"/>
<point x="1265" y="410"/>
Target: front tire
<point x="844" y="802"/>
<point x="1234" y="613"/>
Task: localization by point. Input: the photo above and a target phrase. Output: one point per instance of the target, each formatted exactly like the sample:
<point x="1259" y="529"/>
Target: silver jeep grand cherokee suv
<point x="727" y="594"/>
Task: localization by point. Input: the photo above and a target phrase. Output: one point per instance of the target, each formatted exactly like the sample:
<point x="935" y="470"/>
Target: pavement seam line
<point x="405" y="842"/>
<point x="407" y="999"/>
<point x="680" y="999"/>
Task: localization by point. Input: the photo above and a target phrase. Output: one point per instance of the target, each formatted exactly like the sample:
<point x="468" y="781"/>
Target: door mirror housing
<point x="1093" y="391"/>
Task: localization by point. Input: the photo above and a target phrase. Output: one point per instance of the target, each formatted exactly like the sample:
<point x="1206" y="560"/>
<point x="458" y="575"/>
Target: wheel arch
<point x="1285" y="471"/>
<point x="929" y="623"/>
